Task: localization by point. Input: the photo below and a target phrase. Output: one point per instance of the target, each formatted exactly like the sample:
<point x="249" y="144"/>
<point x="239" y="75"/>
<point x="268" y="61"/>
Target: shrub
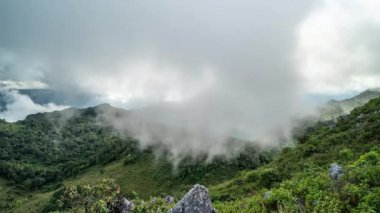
<point x="370" y="202"/>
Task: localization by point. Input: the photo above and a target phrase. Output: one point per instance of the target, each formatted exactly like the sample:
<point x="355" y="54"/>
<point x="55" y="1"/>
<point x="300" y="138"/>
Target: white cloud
<point x="148" y="81"/>
<point x="19" y="106"/>
<point x="339" y="47"/>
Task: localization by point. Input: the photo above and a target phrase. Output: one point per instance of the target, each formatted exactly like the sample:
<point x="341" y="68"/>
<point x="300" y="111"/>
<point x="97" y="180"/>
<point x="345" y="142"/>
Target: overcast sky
<point x="244" y="67"/>
<point x="166" y="50"/>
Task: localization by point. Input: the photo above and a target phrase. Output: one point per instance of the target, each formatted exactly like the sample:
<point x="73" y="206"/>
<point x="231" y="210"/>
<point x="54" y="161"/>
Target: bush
<point x="346" y="155"/>
<point x="370" y="202"/>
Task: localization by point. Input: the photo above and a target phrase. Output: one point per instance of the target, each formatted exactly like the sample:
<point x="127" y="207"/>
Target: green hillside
<point x="49" y="157"/>
<point x="298" y="179"/>
<point x="47" y="151"/>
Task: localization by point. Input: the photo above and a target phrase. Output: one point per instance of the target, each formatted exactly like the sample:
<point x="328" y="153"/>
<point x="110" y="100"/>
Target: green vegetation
<point x="93" y="166"/>
<point x="47" y="151"/>
<point x="100" y="197"/>
<point x="37" y="152"/>
<point x="298" y="179"/>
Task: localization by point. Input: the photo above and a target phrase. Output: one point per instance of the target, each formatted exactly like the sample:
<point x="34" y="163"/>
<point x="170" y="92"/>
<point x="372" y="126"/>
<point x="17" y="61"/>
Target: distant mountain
<point x="43" y="96"/>
<point x="336" y="108"/>
<point x="38" y="96"/>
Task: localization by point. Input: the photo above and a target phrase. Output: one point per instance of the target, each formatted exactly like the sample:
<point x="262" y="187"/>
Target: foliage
<point x="155" y="204"/>
<point x="35" y="154"/>
<point x="88" y="198"/>
<point x="48" y="150"/>
<point x="101" y="197"/>
<point x="298" y="179"/>
<point x="40" y="150"/>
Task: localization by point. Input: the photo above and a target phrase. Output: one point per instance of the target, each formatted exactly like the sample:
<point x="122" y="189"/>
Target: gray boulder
<point x="195" y="201"/>
<point x="336" y="171"/>
<point x="169" y="199"/>
<point x="121" y="205"/>
<point x="126" y="205"/>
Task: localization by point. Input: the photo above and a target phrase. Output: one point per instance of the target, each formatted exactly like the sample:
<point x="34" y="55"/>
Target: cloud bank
<point x="339" y="47"/>
<point x="200" y="72"/>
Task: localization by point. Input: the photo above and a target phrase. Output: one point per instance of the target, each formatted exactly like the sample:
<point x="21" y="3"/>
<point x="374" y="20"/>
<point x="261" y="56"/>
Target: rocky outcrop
<point x="336" y="171"/>
<point x="122" y="205"/>
<point x="195" y="201"/>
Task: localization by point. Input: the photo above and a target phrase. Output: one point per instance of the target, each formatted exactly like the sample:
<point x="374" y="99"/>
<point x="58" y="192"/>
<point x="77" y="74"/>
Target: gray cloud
<point x="204" y="71"/>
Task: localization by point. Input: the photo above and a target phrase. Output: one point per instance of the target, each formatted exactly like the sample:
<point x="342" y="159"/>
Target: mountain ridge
<point x="335" y="108"/>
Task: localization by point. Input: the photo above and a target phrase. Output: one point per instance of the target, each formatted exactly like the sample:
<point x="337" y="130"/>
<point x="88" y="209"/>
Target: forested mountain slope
<point x="49" y="147"/>
<point x="298" y="180"/>
<point x="334" y="166"/>
<point x="74" y="146"/>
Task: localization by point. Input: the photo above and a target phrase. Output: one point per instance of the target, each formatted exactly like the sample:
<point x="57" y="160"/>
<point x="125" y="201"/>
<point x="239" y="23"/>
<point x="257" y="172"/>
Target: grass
<point x="22" y="201"/>
<point x="145" y="177"/>
<point x="139" y="177"/>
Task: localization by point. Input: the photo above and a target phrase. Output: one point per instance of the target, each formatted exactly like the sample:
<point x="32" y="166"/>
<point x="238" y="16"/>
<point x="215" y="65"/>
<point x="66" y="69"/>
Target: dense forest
<point x="40" y="150"/>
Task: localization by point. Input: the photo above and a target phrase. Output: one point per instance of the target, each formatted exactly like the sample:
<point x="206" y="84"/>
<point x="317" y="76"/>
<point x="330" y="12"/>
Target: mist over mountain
<point x="336" y="108"/>
<point x="48" y="157"/>
<point x="174" y="106"/>
<point x="241" y="69"/>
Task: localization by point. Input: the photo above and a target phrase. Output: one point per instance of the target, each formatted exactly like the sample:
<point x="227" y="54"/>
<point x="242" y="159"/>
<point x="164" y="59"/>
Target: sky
<point x="209" y="69"/>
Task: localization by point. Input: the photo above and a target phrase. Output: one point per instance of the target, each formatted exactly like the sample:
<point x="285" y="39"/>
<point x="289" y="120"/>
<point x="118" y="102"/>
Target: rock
<point x="169" y="199"/>
<point x="126" y="205"/>
<point x="335" y="171"/>
<point x="195" y="201"/>
<point x="122" y="205"/>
